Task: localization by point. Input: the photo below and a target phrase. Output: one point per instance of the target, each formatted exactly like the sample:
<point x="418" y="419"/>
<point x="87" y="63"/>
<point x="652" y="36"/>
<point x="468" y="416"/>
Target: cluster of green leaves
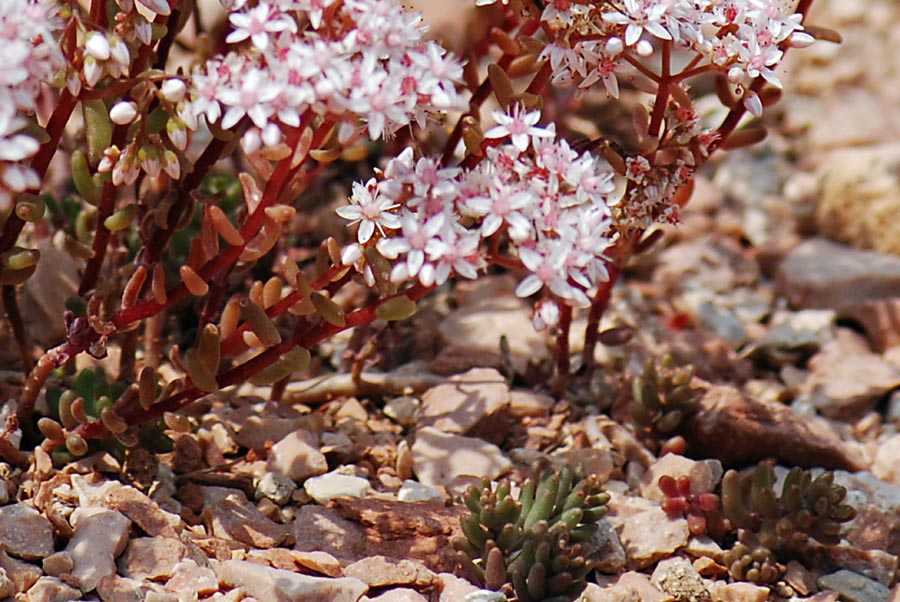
<point x="533" y="542"/>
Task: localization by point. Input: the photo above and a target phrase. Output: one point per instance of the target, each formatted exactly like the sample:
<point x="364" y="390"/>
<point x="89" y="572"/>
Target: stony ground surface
<point x="781" y="287"/>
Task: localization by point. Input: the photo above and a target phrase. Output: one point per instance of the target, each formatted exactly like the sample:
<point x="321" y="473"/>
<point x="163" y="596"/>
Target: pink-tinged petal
<point x="529" y="286"/>
<point x="366" y="230"/>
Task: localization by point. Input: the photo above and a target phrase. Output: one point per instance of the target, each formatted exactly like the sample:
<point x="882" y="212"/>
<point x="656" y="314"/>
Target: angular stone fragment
<point x="845" y="382"/>
<point x="645" y="531"/>
<point x="335" y="485"/>
<point x="297" y="456"/>
<point x="276" y="585"/>
<point x="22" y="574"/>
<point x="51" y="589"/>
<point x="821" y="274"/>
<point x="142" y="511"/>
<point x="678" y="578"/>
<point x="740" y="592"/>
<point x="853" y="587"/>
<point x="276" y="487"/>
<point x="151" y="557"/>
<point x="630" y="586"/>
<point x="114" y="588"/>
<point x="440" y="458"/>
<point x="235" y="518"/>
<point x="756" y="430"/>
<point x="413" y="491"/>
<point x="401" y="594"/>
<point x="25" y="532"/>
<point x="475" y="403"/>
<point x="453" y="588"/>
<point x="380" y="571"/>
<point x="320" y="562"/>
<point x="193" y="579"/>
<point x="100" y="536"/>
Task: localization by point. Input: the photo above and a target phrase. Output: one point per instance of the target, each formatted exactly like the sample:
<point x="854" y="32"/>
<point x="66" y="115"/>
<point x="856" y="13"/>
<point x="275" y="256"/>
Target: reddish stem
<point x="563" y="365"/>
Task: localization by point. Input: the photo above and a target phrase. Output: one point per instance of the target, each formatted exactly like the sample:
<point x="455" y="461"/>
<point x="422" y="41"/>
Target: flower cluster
<point x="30" y="57"/>
<point x="742" y="38"/>
<point x="359" y="59"/>
<point x="548" y="205"/>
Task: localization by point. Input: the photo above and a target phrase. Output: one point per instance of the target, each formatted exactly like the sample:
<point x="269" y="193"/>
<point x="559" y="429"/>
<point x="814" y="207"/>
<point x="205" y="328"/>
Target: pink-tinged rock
<point x="151" y="557"/>
<point x="100" y="535"/>
<point x="320" y="562"/>
<point x="7" y="587"/>
<point x="704" y="475"/>
<point x="845" y="382"/>
<point x="645" y="531"/>
<point x="489" y="310"/>
<point x="22" y="574"/>
<point x="25" y="532"/>
<point x="757" y="430"/>
<point x="885" y="465"/>
<point x="740" y="592"/>
<point x="380" y="571"/>
<point x="297" y="456"/>
<point x="629" y="586"/>
<point x="524" y="403"/>
<point x="397" y="595"/>
<point x="453" y="588"/>
<point x="881" y="321"/>
<point x="821" y="274"/>
<point x="800" y="578"/>
<point x="439" y="458"/>
<point x="142" y="511"/>
<point x="114" y="588"/>
<point x="235" y="518"/>
<point x="324" y="529"/>
<point x="677" y="577"/>
<point x="190" y="577"/>
<point x="51" y="589"/>
<point x="276" y="585"/>
<point x="59" y="563"/>
<point x="475" y="403"/>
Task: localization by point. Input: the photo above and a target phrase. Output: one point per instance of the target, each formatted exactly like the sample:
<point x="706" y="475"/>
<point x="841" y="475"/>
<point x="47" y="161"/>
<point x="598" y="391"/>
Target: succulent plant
<point x="702" y="510"/>
<point x="663" y="397"/>
<point x="532" y="544"/>
<point x="92" y="396"/>
<point x="749" y="560"/>
<point x="807" y="506"/>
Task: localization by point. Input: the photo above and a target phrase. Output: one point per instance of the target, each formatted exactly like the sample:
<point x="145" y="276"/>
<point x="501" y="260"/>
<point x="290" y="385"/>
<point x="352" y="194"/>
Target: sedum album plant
<point x="192" y="129"/>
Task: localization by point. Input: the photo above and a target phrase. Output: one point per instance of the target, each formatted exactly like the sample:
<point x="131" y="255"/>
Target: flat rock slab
<point x="822" y="274"/>
<point x="233" y="517"/>
<point x="151" y="557"/>
<point x="420" y="531"/>
<point x="439" y="458"/>
<point x="739" y="431"/>
<point x="476" y="403"/>
<point x="853" y="587"/>
<point x="845" y="383"/>
<point x="25" y="532"/>
<point x="277" y="585"/>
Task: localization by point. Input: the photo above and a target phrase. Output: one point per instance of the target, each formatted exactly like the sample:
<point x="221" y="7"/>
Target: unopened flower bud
<point x="614" y="46"/>
<point x="123" y="113"/>
<point x="801" y="39"/>
<point x="173" y="90"/>
<point x="97" y="46"/>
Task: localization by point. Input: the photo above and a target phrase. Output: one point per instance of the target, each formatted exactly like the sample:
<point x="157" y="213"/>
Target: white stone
<point x="334" y="484"/>
<point x="413" y="491"/>
<point x="277" y="585"/>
